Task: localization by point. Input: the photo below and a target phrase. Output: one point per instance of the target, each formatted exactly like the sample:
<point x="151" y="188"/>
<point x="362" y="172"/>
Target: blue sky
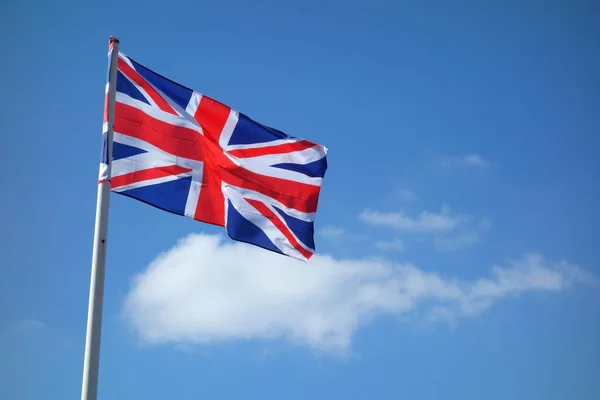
<point x="457" y="228"/>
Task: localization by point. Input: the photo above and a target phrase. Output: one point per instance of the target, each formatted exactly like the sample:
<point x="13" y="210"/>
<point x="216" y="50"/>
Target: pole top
<point x="112" y="41"/>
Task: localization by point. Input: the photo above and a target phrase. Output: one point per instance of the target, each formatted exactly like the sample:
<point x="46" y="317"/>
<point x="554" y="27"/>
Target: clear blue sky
<point x="461" y="137"/>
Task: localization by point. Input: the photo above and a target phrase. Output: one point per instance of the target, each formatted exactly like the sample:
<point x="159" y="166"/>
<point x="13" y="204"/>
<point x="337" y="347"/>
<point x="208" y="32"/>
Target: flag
<point x="191" y="155"/>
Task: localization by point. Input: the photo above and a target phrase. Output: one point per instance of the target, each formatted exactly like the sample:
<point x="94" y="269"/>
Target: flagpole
<point x="89" y="386"/>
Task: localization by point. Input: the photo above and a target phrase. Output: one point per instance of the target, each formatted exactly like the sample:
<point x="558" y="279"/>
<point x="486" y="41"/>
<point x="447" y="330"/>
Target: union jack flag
<point x="186" y="153"/>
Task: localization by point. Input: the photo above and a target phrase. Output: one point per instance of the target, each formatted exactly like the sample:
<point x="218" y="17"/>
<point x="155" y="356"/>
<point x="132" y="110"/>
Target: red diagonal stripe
<point x="146" y="174"/>
<point x="105" y="108"/>
<point x="212" y="116"/>
<point x="137" y="78"/>
<point x="299" y="196"/>
<point x="292" y="194"/>
<point x="266" y="211"/>
<point x="277" y="149"/>
<point x="176" y="140"/>
<point x="211" y="203"/>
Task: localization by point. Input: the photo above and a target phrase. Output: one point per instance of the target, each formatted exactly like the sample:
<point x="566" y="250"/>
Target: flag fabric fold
<point x="188" y="154"/>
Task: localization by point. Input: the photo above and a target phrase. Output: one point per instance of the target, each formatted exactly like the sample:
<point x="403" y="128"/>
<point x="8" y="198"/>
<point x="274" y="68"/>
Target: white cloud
<point x="473" y="160"/>
<point x="339" y="236"/>
<point x="30" y="325"/>
<point x="390" y="245"/>
<point x="451" y="231"/>
<point x="332" y="232"/>
<point x="405" y="194"/>
<point x="467" y="237"/>
<point x="451" y="243"/>
<point x="426" y="221"/>
<point x="205" y="291"/>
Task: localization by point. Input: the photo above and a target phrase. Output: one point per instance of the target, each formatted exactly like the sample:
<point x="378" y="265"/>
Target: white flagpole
<point x="89" y="387"/>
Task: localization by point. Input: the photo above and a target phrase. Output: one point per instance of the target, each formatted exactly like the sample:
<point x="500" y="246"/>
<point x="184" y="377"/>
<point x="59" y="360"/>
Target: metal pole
<point x="89" y="387"/>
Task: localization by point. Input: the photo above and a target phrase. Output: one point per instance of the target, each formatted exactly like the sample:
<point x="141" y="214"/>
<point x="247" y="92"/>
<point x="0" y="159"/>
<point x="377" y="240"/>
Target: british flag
<point x="186" y="153"/>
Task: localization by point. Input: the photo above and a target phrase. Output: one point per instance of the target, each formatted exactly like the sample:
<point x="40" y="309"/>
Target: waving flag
<point x="185" y="153"/>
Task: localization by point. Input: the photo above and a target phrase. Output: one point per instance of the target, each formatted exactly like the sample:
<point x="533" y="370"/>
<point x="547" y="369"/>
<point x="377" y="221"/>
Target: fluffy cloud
<point x="390" y="245"/>
<point x="451" y="243"/>
<point x="405" y="194"/>
<point x="340" y="236"/>
<point x="206" y="291"/>
<point x="332" y="232"/>
<point x="466" y="237"/>
<point x="473" y="160"/>
<point x="426" y="221"/>
<point x="451" y="231"/>
<point x="31" y="324"/>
